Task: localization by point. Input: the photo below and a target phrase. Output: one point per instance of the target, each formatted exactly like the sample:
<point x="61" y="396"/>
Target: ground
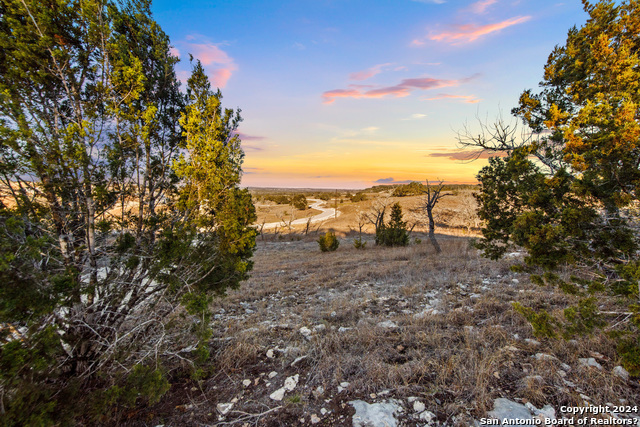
<point x="401" y="325"/>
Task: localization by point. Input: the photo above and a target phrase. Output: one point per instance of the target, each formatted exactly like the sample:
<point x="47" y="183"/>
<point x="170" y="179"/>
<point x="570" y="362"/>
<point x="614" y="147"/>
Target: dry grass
<point x="456" y="359"/>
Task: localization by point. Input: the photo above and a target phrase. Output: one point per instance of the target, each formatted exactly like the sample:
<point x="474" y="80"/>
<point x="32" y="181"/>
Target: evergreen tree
<point x="121" y="206"/>
<point x="577" y="203"/>
<point x="395" y="232"/>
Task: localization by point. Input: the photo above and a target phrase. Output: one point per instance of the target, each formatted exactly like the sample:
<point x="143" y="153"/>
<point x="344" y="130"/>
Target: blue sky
<point x="345" y="94"/>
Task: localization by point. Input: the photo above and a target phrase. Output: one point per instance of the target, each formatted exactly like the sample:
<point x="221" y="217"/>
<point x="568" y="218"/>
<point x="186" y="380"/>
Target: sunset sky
<point x="353" y="93"/>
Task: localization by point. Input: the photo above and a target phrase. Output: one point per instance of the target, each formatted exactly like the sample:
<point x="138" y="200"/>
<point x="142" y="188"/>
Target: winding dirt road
<point x="323" y="216"/>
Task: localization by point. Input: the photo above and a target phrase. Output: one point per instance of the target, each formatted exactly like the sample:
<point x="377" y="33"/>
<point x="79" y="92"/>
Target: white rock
<point x="532" y="342"/>
<point x="278" y="394"/>
<point x="272" y="374"/>
<point x="270" y="354"/>
<point x="306" y="332"/>
<point x="418" y="406"/>
<point x="619" y="371"/>
<point x="589" y="362"/>
<point x="505" y="408"/>
<point x="298" y="359"/>
<point x="345" y="384"/>
<point x="318" y="391"/>
<point x="224" y="408"/>
<point x="246" y="383"/>
<point x="375" y="414"/>
<point x="388" y="324"/>
<point x="314" y="419"/>
<point x="544" y="356"/>
<point x="323" y="411"/>
<point x="333" y="314"/>
<point x="291" y="382"/>
<point x="320" y="327"/>
<point x="343" y="329"/>
<point x="427" y="416"/>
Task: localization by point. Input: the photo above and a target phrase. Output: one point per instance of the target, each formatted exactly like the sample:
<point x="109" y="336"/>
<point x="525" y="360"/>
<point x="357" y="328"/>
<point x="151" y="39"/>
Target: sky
<point x="355" y="93"/>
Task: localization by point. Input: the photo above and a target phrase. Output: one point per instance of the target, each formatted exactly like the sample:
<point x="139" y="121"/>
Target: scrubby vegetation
<point x="328" y="242"/>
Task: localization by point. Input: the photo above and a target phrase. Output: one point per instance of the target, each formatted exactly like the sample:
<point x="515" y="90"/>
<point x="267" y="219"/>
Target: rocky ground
<point x="390" y="337"/>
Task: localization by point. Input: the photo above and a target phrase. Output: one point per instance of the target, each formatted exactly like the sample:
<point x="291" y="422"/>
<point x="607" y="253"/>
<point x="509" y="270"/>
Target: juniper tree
<point x="568" y="192"/>
<point x="106" y="233"/>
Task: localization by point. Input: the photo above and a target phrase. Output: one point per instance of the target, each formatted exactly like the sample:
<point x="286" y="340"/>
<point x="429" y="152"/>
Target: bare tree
<point x="376" y="213"/>
<point x="433" y="196"/>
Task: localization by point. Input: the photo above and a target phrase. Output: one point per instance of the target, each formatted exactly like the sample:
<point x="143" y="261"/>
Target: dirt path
<point x="326" y="214"/>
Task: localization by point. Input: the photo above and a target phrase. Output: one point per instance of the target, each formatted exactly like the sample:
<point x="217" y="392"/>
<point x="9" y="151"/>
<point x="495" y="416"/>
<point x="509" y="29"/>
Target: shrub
<point x="299" y="202"/>
<point x="358" y="243"/>
<point x="395" y="233"/>
<point x="328" y="242"/>
<point x="358" y="197"/>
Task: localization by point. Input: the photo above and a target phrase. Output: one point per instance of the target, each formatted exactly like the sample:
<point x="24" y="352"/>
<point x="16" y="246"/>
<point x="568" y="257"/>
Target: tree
<point x="569" y="191"/>
<point x="299" y="201"/>
<point x="120" y="207"/>
<point x="429" y="202"/>
<point x="394" y="233"/>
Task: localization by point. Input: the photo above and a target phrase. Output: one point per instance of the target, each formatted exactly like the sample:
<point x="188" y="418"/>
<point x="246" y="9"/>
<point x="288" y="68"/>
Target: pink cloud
<point x="366" y="74"/>
<point x="481" y="6"/>
<point x="471" y="32"/>
<point x="174" y="51"/>
<point x="218" y="65"/>
<point x="209" y="53"/>
<point x="469" y="99"/>
<point x="220" y="76"/>
<point x="404" y="88"/>
<point x="245" y="137"/>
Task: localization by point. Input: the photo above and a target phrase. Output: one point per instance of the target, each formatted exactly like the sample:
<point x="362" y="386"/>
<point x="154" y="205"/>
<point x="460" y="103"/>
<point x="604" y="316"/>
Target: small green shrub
<point x="358" y="197"/>
<point x="328" y="242"/>
<point x="358" y="243"/>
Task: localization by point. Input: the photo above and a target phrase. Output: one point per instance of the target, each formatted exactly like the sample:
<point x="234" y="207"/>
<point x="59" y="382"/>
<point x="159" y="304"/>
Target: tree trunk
<point x="432" y="232"/>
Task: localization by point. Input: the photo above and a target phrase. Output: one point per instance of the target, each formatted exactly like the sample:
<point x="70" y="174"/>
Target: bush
<point x="328" y="242"/>
<point x="358" y="243"/>
<point x="395" y="233"/>
<point x="299" y="202"/>
<point x="358" y="197"/>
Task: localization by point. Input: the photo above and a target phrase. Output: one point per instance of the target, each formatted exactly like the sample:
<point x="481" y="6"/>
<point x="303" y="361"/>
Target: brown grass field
<point x="386" y="323"/>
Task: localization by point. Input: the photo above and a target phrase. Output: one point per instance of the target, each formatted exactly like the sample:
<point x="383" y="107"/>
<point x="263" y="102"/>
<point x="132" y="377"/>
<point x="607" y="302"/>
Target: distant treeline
<point x="416" y="188"/>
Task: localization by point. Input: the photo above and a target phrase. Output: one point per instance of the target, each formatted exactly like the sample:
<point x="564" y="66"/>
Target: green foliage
<point x="324" y="196"/>
<point x="299" y="201"/>
<point x="394" y="233"/>
<point x="358" y="197"/>
<point x="358" y="243"/>
<point x="328" y="242"/>
<point x="544" y="325"/>
<point x="576" y="204"/>
<point x="412" y="189"/>
<point x="125" y="203"/>
<point x="279" y="199"/>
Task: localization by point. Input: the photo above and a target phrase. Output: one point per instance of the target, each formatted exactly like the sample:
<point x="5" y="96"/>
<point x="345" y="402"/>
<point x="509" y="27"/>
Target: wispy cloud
<point x="245" y="137"/>
<point x="469" y="99"/>
<point x="481" y="6"/>
<point x="391" y="181"/>
<point x="470" y="32"/>
<point x="430" y="1"/>
<point x="416" y="116"/>
<point x="218" y="65"/>
<point x="464" y="155"/>
<point x="368" y="73"/>
<point x="404" y="88"/>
